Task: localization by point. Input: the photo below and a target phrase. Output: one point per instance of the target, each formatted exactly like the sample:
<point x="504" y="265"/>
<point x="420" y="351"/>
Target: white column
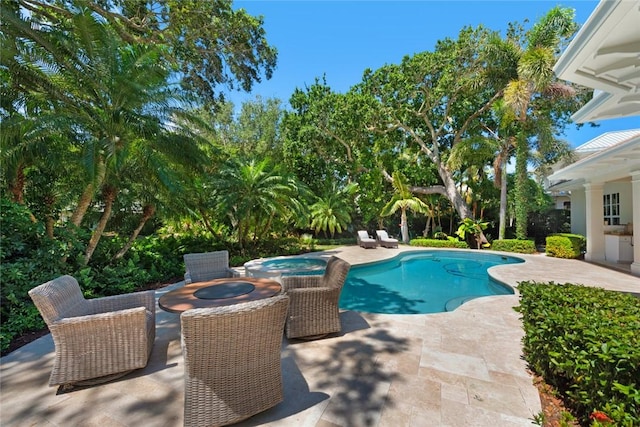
<point x="635" y="195"/>
<point x="595" y="220"/>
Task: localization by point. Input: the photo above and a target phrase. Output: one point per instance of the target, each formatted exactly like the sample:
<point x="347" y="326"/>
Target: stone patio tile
<point x="455" y="414"/>
<point x="454" y="393"/>
<point x="468" y="366"/>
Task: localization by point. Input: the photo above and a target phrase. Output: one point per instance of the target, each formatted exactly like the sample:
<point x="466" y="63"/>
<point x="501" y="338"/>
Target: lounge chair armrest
<point x="297" y="282"/>
<point x="114" y="303"/>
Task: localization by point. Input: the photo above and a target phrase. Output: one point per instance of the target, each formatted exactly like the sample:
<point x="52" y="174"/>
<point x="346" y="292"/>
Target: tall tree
<point x="434" y="100"/>
<point x="536" y="97"/>
<point x="117" y="101"/>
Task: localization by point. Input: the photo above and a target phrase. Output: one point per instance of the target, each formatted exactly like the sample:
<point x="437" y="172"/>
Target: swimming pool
<point x="426" y="281"/>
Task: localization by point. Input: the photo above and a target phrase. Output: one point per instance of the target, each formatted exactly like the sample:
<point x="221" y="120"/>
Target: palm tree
<point x="535" y="83"/>
<point x="403" y="199"/>
<point x="254" y="195"/>
<point x="118" y="106"/>
<point x="332" y="211"/>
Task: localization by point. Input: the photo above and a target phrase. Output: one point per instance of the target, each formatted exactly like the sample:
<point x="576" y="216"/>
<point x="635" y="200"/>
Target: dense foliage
<point x="565" y="245"/>
<point x="586" y="342"/>
<point x="29" y="257"/>
<point x="514" y="245"/>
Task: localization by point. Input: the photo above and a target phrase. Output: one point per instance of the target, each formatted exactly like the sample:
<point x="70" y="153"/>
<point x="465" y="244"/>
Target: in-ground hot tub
<point x="275" y="268"/>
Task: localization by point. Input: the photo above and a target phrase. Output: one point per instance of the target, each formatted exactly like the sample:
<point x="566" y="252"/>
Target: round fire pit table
<point x="218" y="292"/>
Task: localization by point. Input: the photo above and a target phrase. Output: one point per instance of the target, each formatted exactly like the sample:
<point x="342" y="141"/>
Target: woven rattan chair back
<point x="335" y="273"/>
<point x="205" y="266"/>
<point x="59" y="298"/>
<point x="232" y="360"/>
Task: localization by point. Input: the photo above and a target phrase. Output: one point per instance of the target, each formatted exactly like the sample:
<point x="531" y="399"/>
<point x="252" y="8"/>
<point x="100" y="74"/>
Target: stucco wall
<point x="626" y="200"/>
<point x="578" y="214"/>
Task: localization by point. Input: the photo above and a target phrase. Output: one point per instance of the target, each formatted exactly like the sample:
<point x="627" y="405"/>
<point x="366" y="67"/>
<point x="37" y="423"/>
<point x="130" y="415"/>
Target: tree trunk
<point x="87" y="195"/>
<point x="502" y="228"/>
<point x="522" y="154"/>
<point x="48" y="226"/>
<point x="404" y="226"/>
<point x="83" y="205"/>
<point x="17" y="186"/>
<point x="453" y="194"/>
<point x="427" y="227"/>
<point x="147" y="213"/>
<point x="205" y="221"/>
<point x="109" y="195"/>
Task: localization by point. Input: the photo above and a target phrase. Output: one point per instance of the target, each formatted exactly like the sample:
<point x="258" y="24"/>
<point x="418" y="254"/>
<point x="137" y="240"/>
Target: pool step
<point x="454" y="303"/>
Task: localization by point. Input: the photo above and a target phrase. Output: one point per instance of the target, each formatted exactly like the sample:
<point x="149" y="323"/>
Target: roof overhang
<point x="617" y="162"/>
<point x="605" y="55"/>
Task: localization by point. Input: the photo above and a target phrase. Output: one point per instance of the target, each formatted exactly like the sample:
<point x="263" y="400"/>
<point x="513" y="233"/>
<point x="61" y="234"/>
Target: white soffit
<point x="605" y="55"/>
<point x="620" y="157"/>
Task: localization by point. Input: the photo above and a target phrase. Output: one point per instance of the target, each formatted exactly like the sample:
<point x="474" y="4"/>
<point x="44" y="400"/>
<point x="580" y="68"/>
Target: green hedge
<point x="514" y="245"/>
<point x="565" y="245"/>
<point x="435" y="243"/>
<point x="585" y="342"/>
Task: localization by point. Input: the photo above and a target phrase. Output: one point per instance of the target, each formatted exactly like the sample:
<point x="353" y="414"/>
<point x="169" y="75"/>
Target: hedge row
<point x="514" y="245"/>
<point x="435" y="243"/>
<point x="585" y="342"/>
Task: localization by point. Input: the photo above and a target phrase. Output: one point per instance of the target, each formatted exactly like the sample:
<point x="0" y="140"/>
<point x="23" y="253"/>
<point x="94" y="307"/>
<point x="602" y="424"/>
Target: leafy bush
<point x="514" y="245"/>
<point x="585" y="342"/>
<point x="28" y="258"/>
<point x="565" y="245"/>
<point x="435" y="243"/>
<point x="345" y="241"/>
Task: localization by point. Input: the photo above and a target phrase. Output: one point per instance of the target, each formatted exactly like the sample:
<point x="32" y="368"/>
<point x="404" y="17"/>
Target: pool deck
<point x="462" y="368"/>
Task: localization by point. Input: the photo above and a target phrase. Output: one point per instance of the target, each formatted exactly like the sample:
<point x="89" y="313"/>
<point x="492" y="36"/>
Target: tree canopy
<point x="208" y="42"/>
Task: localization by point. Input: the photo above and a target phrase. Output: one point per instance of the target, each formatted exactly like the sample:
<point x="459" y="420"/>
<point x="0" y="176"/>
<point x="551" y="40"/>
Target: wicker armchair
<point x="96" y="340"/>
<point x="313" y="310"/>
<point x="205" y="266"/>
<point x="232" y="364"/>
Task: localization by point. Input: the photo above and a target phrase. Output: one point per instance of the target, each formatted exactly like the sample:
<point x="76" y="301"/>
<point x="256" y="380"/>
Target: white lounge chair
<point x="385" y="240"/>
<point x="366" y="241"/>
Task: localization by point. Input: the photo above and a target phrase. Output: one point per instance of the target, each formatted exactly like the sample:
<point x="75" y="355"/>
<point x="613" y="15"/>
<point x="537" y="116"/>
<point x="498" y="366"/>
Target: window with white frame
<point x="611" y="203"/>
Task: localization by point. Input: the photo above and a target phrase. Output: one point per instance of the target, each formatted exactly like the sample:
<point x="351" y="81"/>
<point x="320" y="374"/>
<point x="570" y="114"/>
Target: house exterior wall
<point x="560" y="202"/>
<point x="578" y="212"/>
<point x="626" y="199"/>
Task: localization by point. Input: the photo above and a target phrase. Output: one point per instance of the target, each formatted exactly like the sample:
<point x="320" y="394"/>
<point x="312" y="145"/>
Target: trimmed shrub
<point x="565" y="245"/>
<point x="514" y="245"/>
<point x="435" y="243"/>
<point x="586" y="342"/>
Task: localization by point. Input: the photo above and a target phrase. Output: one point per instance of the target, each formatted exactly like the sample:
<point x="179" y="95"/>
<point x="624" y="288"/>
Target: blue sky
<point x="340" y="39"/>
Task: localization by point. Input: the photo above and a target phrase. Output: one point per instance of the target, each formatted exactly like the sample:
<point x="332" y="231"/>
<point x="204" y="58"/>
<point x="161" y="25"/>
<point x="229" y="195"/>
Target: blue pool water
<point x="294" y="266"/>
<point x="422" y="282"/>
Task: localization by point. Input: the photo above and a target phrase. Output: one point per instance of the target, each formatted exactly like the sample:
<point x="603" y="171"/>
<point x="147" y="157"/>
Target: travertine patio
<point x="462" y="368"/>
